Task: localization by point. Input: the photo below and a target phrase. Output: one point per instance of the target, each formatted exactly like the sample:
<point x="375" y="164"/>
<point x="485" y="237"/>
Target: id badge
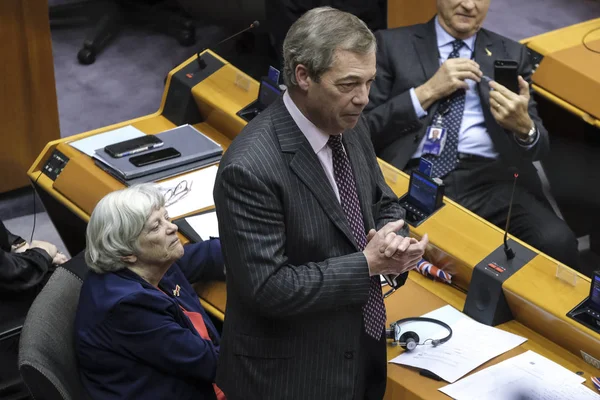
<point x="435" y="140"/>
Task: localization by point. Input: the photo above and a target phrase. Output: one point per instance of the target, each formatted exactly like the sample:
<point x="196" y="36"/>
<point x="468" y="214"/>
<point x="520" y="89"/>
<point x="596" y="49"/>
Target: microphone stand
<point x="202" y="63"/>
<point x="510" y="254"/>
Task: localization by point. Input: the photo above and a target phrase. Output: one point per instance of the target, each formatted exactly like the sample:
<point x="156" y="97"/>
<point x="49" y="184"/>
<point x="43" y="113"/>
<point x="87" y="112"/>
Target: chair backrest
<point x="47" y="361"/>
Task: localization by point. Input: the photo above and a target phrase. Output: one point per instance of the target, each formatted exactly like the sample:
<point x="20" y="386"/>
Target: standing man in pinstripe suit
<point x="307" y="224"/>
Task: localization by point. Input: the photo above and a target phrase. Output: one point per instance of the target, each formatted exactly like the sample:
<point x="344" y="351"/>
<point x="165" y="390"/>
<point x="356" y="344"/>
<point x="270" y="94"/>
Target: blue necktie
<point x="451" y="109"/>
<point x="374" y="310"/>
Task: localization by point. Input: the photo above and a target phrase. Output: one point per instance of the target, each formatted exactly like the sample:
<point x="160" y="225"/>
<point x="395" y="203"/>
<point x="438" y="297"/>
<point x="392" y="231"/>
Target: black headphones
<point x="410" y="340"/>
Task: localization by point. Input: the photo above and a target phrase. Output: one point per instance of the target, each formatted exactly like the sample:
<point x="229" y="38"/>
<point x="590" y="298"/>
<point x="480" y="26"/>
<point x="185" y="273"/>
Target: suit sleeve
<point x="390" y="209"/>
<point x="542" y="146"/>
<point x="23" y="271"/>
<point x="388" y="116"/>
<point x="143" y="326"/>
<point x="253" y="235"/>
<point x="203" y="261"/>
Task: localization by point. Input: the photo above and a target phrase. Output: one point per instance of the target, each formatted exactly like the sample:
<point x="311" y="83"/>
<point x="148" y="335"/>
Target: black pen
<point x="429" y="374"/>
<point x="389" y="293"/>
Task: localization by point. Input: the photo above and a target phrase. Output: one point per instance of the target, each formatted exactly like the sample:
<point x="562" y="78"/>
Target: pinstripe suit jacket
<point x="296" y="280"/>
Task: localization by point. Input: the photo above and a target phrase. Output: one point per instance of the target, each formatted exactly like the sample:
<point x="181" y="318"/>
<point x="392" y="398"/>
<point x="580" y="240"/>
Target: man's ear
<point x="302" y="77"/>
<point x="131" y="259"/>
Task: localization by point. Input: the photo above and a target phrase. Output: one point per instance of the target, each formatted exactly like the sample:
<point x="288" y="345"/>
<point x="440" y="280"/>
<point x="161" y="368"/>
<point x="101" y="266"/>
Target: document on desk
<point x="471" y="345"/>
<point x="528" y="376"/>
<point x="92" y="143"/>
<point x="205" y="225"/>
<point x="199" y="195"/>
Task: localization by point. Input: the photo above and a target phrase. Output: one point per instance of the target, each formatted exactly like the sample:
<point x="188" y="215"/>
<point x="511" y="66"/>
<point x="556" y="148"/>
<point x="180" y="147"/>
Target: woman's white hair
<point x="116" y="224"/>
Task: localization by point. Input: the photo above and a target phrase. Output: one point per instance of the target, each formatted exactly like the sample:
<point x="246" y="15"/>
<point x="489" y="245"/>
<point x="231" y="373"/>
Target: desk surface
<point x="459" y="240"/>
<point x="569" y="74"/>
<point x="416" y="298"/>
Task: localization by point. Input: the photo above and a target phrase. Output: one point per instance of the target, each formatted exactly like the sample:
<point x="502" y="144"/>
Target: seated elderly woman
<point x="140" y="331"/>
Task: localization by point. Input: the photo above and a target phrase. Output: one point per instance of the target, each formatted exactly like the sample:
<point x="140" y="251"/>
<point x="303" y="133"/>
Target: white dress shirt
<point x="316" y="138"/>
<point x="473" y="137"/>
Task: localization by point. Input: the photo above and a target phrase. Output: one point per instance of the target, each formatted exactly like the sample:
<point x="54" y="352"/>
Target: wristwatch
<point x="531" y="135"/>
<point x="18" y="243"/>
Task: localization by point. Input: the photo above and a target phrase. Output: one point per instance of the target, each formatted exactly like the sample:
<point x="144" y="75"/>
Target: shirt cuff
<point x="527" y="146"/>
<point x="42" y="252"/>
<point x="416" y="104"/>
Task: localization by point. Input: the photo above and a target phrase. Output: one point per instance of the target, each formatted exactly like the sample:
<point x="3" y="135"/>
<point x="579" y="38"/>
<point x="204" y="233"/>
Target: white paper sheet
<point x="471" y="345"/>
<point x="90" y="144"/>
<point x="528" y="376"/>
<point x="199" y="197"/>
<point x="206" y="225"/>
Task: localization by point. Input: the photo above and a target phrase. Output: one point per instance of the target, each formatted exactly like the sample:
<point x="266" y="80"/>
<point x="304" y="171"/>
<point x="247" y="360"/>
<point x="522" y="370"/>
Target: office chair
<point x="47" y="361"/>
<point x="13" y="309"/>
<point x="108" y="16"/>
<point x="11" y="385"/>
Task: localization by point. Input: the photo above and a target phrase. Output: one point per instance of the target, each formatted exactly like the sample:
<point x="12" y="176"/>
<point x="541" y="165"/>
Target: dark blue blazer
<point x="133" y="342"/>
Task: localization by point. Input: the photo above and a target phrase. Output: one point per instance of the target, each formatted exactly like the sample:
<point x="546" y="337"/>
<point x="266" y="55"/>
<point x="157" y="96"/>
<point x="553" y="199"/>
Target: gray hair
<point x="313" y="39"/>
<point x="116" y="224"/>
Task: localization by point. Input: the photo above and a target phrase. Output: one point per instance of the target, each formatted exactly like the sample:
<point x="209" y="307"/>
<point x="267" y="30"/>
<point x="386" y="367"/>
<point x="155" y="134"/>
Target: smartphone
<point x="505" y="73"/>
<point x="132" y="146"/>
<point x="154" y="157"/>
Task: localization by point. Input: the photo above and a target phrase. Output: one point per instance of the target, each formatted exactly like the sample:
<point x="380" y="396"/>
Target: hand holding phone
<point x="505" y="73"/>
<point x="510" y="109"/>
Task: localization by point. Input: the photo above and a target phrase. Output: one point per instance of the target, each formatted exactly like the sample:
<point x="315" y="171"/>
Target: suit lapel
<point x="426" y="48"/>
<point x="425" y="43"/>
<point x="306" y="165"/>
<point x="484" y="56"/>
<point x="486" y="52"/>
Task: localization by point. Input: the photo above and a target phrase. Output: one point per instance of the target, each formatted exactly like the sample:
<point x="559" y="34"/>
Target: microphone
<point x="510" y="254"/>
<point x="202" y="63"/>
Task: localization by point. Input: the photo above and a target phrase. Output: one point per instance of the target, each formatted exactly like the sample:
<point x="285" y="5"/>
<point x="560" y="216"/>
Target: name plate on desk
<point x="425" y="196"/>
<point x="588" y="311"/>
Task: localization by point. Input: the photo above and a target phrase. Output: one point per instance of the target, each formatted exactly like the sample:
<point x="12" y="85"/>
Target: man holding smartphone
<point x="435" y="76"/>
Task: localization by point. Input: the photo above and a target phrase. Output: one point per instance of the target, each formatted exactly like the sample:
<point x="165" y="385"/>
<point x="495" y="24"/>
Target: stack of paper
<point x="528" y="376"/>
<point x="205" y="225"/>
<point x="471" y="345"/>
<point x="90" y="144"/>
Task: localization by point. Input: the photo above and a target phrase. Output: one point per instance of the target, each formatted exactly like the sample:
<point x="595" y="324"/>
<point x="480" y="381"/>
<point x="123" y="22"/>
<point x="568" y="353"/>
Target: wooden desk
<point x="459" y="240"/>
<point x="566" y="84"/>
<point x="414" y="299"/>
<point x="28" y="108"/>
<point x="409" y="12"/>
<point x="568" y="74"/>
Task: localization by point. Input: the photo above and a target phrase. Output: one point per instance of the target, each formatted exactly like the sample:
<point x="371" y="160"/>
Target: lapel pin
<point x="489" y="53"/>
<point x="176" y="290"/>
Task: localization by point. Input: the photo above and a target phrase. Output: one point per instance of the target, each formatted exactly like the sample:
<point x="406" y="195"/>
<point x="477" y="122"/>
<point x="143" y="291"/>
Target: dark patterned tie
<point x="452" y="109"/>
<point x="374" y="310"/>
